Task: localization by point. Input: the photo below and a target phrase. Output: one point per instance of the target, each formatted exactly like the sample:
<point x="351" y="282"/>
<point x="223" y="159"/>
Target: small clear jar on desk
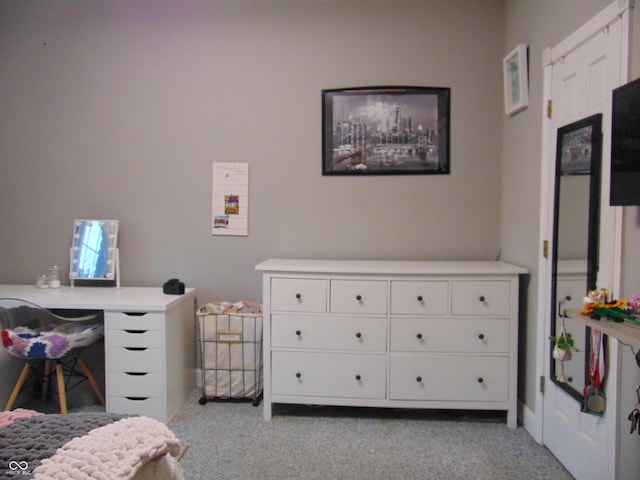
<point x="54" y="277"/>
<point x="42" y="281"/>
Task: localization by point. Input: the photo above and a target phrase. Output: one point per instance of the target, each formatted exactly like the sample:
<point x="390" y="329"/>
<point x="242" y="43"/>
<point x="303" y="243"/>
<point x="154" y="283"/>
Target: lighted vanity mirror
<point x="94" y="251"/>
<point x="575" y="246"/>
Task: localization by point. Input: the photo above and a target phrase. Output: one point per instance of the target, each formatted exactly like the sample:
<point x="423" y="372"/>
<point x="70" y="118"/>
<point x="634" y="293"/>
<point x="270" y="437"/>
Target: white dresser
<point x="391" y="334"/>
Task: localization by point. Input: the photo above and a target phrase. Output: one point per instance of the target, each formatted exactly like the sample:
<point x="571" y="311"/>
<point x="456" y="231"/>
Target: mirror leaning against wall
<point x="94" y="252"/>
<point x="575" y="246"/>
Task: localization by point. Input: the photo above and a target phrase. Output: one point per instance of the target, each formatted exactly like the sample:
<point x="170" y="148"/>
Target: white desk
<point x="149" y="342"/>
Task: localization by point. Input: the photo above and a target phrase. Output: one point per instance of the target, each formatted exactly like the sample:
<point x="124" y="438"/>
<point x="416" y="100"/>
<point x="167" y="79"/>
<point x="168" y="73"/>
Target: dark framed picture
<point x="385" y="131"/>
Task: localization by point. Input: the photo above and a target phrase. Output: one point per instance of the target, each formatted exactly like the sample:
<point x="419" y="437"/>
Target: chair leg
<point x="61" y="391"/>
<point x="92" y="380"/>
<point x="18" y="387"/>
<point x="46" y="379"/>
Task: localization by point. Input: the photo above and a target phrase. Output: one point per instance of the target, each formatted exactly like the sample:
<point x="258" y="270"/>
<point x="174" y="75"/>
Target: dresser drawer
<point x="148" y="406"/>
<point x="359" y="296"/>
<point x="476" y="335"/>
<point x="328" y="374"/>
<point x="135" y="359"/>
<point x="134" y="321"/>
<point x="298" y="295"/>
<point x="135" y="338"/>
<point x="123" y="384"/>
<point x="480" y="297"/>
<point x="329" y="332"/>
<point x="419" y="298"/>
<point x="449" y="377"/>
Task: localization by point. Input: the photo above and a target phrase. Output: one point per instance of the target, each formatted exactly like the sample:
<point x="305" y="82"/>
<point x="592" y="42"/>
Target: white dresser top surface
<point x="97" y="298"/>
<point x="389" y="267"/>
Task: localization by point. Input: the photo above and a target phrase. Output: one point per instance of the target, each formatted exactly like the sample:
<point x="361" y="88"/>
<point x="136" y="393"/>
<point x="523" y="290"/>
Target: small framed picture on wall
<point x="516" y="80"/>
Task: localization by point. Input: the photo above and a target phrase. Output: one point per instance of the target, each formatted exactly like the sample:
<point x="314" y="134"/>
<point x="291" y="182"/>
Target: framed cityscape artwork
<point x="385" y="131"/>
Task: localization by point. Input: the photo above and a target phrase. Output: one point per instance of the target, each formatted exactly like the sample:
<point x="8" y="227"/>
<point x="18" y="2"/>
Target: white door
<point x="580" y="74"/>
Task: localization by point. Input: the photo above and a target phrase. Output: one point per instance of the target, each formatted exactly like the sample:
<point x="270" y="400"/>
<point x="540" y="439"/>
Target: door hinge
<point x="542" y="385"/>
<point x="545" y="249"/>
<point x="549" y="109"/>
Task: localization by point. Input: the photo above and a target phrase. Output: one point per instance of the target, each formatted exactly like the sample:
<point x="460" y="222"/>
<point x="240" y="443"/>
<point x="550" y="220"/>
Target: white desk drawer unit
<point x="147" y="366"/>
<point x="391" y="334"/>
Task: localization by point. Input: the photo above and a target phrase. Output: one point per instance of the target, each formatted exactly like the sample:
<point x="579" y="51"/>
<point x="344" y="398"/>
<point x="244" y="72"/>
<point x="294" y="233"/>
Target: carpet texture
<point x="232" y="441"/>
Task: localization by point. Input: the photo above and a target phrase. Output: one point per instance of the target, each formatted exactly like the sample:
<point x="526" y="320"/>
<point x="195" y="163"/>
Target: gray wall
<point x="117" y="109"/>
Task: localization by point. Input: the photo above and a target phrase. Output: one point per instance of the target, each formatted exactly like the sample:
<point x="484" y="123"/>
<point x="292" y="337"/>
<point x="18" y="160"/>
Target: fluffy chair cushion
<point x="50" y="342"/>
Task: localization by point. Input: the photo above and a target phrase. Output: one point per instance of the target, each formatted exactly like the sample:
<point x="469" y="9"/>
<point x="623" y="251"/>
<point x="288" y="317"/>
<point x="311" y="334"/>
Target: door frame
<point x="611" y="220"/>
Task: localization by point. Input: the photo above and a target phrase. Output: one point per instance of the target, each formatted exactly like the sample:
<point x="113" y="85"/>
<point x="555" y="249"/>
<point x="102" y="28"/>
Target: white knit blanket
<point x="117" y="450"/>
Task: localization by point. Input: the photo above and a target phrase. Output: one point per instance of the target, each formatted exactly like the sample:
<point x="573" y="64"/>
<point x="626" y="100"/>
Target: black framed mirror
<point x="575" y="246"/>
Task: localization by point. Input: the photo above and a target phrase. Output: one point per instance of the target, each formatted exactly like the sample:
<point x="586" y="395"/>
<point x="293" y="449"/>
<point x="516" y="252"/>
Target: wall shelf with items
<point x="625" y="332"/>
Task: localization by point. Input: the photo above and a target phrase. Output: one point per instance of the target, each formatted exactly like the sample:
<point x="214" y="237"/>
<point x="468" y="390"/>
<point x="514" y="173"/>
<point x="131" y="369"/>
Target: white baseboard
<point x="528" y="420"/>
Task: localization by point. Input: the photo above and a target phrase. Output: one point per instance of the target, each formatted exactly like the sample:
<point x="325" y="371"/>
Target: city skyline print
<point x="385" y="130"/>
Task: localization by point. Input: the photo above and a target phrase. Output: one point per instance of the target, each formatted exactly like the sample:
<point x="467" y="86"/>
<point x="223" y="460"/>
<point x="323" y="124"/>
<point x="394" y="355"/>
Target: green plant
<point x="564" y="342"/>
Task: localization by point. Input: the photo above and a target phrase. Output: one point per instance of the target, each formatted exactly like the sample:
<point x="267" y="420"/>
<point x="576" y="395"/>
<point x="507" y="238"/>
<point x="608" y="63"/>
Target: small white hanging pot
<point x="562" y="355"/>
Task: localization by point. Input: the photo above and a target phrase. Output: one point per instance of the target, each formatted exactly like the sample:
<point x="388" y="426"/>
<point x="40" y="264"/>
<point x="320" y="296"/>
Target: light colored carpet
<point x="232" y="441"/>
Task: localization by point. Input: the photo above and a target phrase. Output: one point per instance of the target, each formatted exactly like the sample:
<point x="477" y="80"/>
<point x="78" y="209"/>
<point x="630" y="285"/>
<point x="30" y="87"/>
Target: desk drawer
<point x="123" y="384"/>
<point x="134" y="338"/>
<point x="148" y="406"/>
<point x="133" y="359"/>
<point x="134" y="321"/>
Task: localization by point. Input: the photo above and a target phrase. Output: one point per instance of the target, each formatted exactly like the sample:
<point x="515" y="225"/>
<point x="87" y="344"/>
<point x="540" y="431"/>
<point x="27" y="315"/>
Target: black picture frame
<point x="388" y="130"/>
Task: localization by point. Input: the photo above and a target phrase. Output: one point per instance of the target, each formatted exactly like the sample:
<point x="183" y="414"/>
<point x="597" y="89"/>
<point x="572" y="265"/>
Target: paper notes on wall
<point x="230" y="199"/>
